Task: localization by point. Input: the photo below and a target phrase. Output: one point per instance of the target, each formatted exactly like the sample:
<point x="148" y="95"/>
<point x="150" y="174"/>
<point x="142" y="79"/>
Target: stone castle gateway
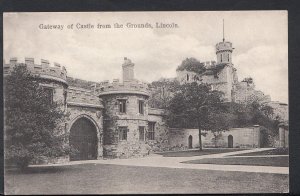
<point x="111" y="120"/>
<point x="114" y="120"/>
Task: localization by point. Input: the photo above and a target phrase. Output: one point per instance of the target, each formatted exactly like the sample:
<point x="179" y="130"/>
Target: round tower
<point x="224" y="52"/>
<point x="125" y="119"/>
<point x="53" y="78"/>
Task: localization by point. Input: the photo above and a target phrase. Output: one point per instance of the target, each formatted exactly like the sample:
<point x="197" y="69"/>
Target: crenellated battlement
<point x="81" y="95"/>
<point x="44" y="69"/>
<point x="116" y="87"/>
<point x="223" y="46"/>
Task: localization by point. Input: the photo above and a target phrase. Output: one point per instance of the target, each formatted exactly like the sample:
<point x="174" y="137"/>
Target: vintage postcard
<point x="146" y="102"/>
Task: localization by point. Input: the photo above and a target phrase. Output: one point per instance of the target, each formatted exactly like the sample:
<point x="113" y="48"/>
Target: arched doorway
<point x="230" y="141"/>
<point x="83" y="139"/>
<point x="190" y="142"/>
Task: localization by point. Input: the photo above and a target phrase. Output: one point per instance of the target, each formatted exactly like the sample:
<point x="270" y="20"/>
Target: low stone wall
<point x="242" y="138"/>
<point x="178" y="138"/>
<point x="248" y="137"/>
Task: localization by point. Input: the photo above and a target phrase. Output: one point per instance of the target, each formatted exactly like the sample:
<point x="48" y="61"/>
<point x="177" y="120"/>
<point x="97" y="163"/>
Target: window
<point x="151" y="130"/>
<point x="122" y="105"/>
<point x="187" y="77"/>
<point x="141" y="107"/>
<point x="142" y="133"/>
<point x="221" y="57"/>
<point x="65" y="97"/>
<point x="49" y="94"/>
<point x="228" y="57"/>
<point x="123" y="133"/>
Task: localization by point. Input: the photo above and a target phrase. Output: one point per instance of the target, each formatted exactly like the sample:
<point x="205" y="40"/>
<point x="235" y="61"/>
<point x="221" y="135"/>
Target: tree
<point x="197" y="106"/>
<point x="162" y="92"/>
<point x="256" y="113"/>
<point x="33" y="124"/>
<point x="192" y="64"/>
<point x="220" y="120"/>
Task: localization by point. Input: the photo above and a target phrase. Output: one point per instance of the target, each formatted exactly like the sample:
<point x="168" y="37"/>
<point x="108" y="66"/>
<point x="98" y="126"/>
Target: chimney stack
<point x="128" y="70"/>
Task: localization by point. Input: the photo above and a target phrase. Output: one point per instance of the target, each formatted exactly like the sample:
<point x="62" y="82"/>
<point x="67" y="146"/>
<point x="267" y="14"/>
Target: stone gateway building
<point x="114" y="120"/>
<point x="110" y="120"/>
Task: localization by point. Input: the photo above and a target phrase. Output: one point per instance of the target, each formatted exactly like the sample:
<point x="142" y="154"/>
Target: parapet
<point x="127" y="87"/>
<point x="44" y="69"/>
<point x="83" y="96"/>
<point x="221" y="46"/>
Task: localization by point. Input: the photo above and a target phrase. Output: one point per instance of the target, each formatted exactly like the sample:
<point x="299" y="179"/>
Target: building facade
<point x="114" y="119"/>
<point x="247" y="137"/>
<point x="221" y="75"/>
<point x="106" y="119"/>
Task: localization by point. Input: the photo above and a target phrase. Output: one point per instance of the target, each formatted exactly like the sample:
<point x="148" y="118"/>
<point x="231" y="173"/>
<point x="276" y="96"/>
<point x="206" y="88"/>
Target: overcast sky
<point x="260" y="39"/>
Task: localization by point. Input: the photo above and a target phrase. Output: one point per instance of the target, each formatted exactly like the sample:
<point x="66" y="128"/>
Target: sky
<point x="260" y="39"/>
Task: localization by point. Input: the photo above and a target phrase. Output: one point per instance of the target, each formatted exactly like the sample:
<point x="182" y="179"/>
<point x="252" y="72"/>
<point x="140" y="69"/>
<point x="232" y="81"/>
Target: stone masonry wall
<point x="161" y="134"/>
<point x="178" y="138"/>
<point x="113" y="146"/>
<point x="242" y="138"/>
<point x="132" y="147"/>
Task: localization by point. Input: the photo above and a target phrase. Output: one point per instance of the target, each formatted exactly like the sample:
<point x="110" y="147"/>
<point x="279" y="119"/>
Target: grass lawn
<point x="260" y="161"/>
<point x="277" y="151"/>
<point x="198" y="153"/>
<point x="113" y="179"/>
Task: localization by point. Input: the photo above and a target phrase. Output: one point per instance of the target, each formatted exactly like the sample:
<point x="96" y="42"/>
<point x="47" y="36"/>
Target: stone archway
<point x="190" y="142"/>
<point x="83" y="139"/>
<point x="230" y="141"/>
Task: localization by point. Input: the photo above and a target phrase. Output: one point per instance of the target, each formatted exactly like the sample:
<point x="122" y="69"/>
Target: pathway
<point x="175" y="162"/>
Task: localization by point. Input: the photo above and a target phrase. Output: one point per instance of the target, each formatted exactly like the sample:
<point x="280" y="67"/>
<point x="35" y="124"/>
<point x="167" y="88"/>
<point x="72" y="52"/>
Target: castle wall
<point x="57" y="88"/>
<point x="113" y="119"/>
<point x="222" y="80"/>
<point x="161" y="131"/>
<point x="132" y="147"/>
<point x="242" y="138"/>
<point x="178" y="138"/>
<point x="183" y="75"/>
<point x="44" y="69"/>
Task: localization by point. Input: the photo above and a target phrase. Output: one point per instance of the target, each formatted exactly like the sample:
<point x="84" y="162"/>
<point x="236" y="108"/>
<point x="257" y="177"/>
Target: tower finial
<point x="223" y="31"/>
